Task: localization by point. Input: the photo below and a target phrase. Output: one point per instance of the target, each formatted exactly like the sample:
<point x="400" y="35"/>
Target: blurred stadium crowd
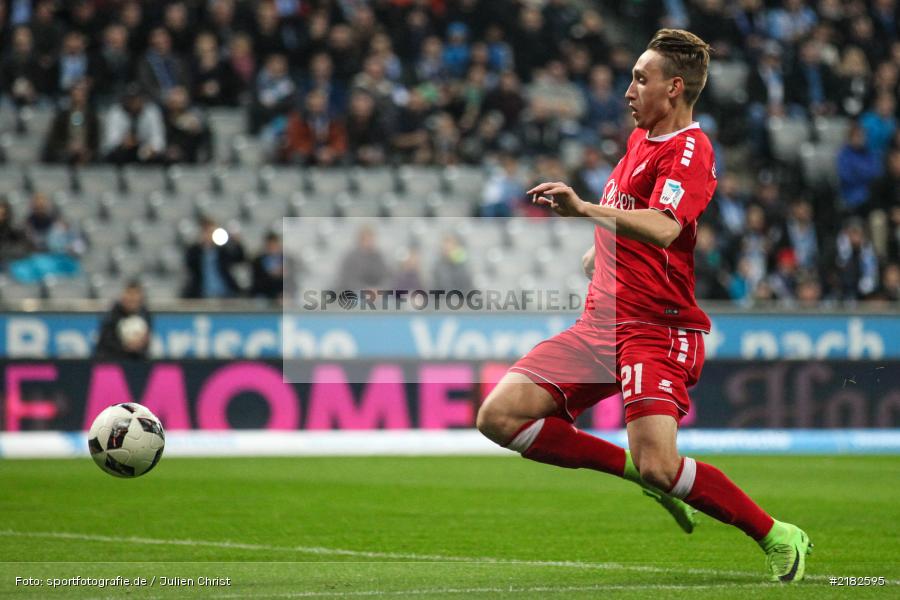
<point x="337" y="95"/>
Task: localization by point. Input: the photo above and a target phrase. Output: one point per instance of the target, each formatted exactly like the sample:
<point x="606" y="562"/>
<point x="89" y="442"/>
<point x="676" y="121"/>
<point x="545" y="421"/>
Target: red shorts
<point x="651" y="365"/>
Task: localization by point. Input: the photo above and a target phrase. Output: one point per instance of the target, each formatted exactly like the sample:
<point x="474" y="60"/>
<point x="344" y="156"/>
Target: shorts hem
<point x="558" y="394"/>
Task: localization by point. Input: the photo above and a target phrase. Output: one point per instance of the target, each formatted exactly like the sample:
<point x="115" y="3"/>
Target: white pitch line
<point x="322" y="551"/>
<point x="506" y="590"/>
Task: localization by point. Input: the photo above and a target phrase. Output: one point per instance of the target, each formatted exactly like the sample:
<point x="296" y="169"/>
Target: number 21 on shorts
<point x="626" y="374"/>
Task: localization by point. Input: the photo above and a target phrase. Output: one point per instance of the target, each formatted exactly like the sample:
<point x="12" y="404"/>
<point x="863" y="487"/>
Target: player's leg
<point x="523" y="416"/>
<point x="652" y="439"/>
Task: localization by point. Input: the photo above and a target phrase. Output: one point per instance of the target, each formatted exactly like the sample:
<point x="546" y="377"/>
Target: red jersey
<point x="673" y="173"/>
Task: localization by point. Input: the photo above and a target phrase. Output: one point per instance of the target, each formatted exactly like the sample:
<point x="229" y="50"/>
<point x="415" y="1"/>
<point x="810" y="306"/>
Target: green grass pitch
<point x="447" y="527"/>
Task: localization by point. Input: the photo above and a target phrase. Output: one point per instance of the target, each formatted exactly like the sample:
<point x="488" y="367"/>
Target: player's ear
<point x="676" y="87"/>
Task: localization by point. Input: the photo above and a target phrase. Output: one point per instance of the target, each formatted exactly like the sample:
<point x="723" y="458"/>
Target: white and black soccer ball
<point x="126" y="440"/>
<point x="132" y="329"/>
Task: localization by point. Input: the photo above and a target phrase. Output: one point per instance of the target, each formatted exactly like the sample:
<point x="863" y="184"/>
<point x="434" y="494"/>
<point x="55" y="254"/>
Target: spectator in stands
<point x="213" y="82"/>
<point x="313" y="136"/>
<point x="364" y="266"/>
<point x="374" y="81"/>
<point x="219" y="19"/>
<point x="604" y="107"/>
<point x="530" y="41"/>
<point x="366" y="136"/>
<point x="242" y="60"/>
<point x="115" y="67"/>
<point x="269" y="33"/>
<point x="210" y="262"/>
<point x="161" y="70"/>
<point x="451" y="271"/>
<point x="730" y="209"/>
<point x="504" y="189"/>
<point x="811" y="83"/>
<point x="42" y="216"/>
<point x="382" y="47"/>
<point x="854" y="81"/>
<point x="409" y="276"/>
<point x="809" y="292"/>
<point x="884" y="200"/>
<point x="46" y="31"/>
<point x="753" y="253"/>
<point x="321" y="78"/>
<point x="591" y="175"/>
<point x="410" y="141"/>
<point x="800" y="237"/>
<point x="131" y="15"/>
<point x="74" y="135"/>
<point x="856" y="264"/>
<point x="345" y="51"/>
<point x="267" y="270"/>
<point x="74" y="63"/>
<point x="857" y="167"/>
<point x="792" y="22"/>
<point x="783" y="281"/>
<point x="83" y="18"/>
<point x="710" y="266"/>
<point x="430" y="64"/>
<point x="14" y="242"/>
<point x="590" y="33"/>
<point x="134" y="130"/>
<point x="126" y="329"/>
<point x="176" y="21"/>
<point x="273" y="98"/>
<point x="880" y="123"/>
<point x="552" y="93"/>
<point x="890" y="283"/>
<point x="188" y="138"/>
<point x="507" y="99"/>
<point x="23" y="78"/>
<point x="457" y="50"/>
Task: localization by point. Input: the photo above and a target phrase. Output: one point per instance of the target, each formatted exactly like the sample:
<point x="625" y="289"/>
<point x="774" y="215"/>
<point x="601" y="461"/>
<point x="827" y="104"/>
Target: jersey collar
<point x="668" y="136"/>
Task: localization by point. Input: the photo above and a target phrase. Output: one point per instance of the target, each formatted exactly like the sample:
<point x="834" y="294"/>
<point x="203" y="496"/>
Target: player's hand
<point x="558" y="196"/>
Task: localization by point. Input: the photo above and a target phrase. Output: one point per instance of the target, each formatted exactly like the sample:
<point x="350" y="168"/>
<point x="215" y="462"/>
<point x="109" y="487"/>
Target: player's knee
<point x="493" y="420"/>
<point x="658" y="471"/>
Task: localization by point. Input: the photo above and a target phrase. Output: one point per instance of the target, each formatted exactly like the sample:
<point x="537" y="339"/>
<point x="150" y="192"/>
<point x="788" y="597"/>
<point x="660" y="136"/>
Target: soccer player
<point x="652" y="335"/>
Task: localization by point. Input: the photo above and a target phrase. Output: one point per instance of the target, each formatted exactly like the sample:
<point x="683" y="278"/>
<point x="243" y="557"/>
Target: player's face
<point x="648" y="95"/>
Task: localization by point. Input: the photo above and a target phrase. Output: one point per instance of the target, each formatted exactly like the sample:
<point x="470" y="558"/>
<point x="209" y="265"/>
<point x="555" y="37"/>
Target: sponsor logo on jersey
<point x="639" y="168"/>
<point x="613" y="198"/>
<point x="671" y="193"/>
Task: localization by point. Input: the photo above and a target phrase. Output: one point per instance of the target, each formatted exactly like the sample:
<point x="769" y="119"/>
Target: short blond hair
<point x="686" y="56"/>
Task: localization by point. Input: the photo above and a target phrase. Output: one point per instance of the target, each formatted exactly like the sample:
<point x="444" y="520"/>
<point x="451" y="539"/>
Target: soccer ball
<point x="132" y="329"/>
<point x="126" y="440"/>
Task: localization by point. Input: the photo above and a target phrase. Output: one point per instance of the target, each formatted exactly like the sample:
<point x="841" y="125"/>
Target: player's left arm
<point x="644" y="225"/>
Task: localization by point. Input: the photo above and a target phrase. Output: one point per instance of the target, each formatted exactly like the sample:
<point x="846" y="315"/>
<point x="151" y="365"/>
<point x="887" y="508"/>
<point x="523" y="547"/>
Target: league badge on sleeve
<point x="671" y="193"/>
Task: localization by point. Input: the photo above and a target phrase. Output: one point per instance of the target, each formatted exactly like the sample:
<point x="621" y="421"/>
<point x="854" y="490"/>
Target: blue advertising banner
<point x="434" y="336"/>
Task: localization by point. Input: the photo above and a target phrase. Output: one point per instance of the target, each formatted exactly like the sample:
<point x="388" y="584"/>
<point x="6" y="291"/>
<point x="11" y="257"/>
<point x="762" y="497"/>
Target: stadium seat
<point x="372" y="182"/>
<point x="404" y="206"/>
<point x="165" y="208"/>
<point x="302" y="205"/>
<point x="143" y="180"/>
<point x="11" y="178"/>
<point x="187" y="179"/>
<point x="449" y="206"/>
<point x="128" y="262"/>
<point x="263" y="208"/>
<point x="234" y="180"/>
<point x="14" y="292"/>
<point x="219" y="207"/>
<point x="67" y="288"/>
<point x="818" y="165"/>
<point x="151" y="236"/>
<point x="728" y="81"/>
<point x="47" y="178"/>
<point x="831" y="131"/>
<point x="280" y="181"/>
<point x="96" y="179"/>
<point x="466" y="182"/>
<point x="161" y="288"/>
<point x="786" y="136"/>
<point x="100" y="235"/>
<point x="75" y="209"/>
<point x="419" y="181"/>
<point x="328" y="181"/>
<point x="247" y="151"/>
<point x="226" y="123"/>
<point x="357" y="206"/>
<point x="121" y="208"/>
